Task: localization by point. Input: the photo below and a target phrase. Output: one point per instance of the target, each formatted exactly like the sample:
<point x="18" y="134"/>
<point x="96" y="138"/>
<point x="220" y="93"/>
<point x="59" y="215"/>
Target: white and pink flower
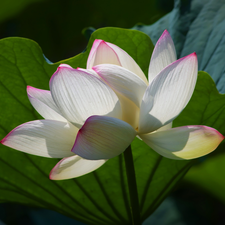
<point x="91" y="115"/>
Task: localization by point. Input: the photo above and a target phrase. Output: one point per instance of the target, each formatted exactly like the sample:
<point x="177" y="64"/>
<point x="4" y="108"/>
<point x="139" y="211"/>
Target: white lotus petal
<point x="66" y="65"/>
<point x="106" y="53"/>
<point x="166" y="127"/>
<point x="80" y="95"/>
<point x="74" y="166"/>
<point x="122" y="81"/>
<point x="46" y="138"/>
<point x="186" y="142"/>
<point x="101" y="53"/>
<point x="43" y="103"/>
<point x="90" y="71"/>
<point x="164" y="54"/>
<point x="103" y="137"/>
<point x="168" y="94"/>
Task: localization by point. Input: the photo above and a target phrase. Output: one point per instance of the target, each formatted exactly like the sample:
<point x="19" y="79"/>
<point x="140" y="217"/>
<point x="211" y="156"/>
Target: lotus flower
<point x="93" y="114"/>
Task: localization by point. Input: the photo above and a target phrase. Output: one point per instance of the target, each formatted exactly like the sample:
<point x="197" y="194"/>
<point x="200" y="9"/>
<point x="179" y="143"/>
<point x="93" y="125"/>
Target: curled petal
<point x="48" y="138"/>
<point x="168" y="94"/>
<point x="80" y="95"/>
<point x="103" y="137"/>
<point x="164" y="54"/>
<point x="123" y="81"/>
<point x="74" y="166"/>
<point x="106" y="53"/>
<point x="43" y="103"/>
<point x="186" y="142"/>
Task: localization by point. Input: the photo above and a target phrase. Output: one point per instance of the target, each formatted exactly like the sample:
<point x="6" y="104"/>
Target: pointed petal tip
<point x="2" y="141"/>
<point x="64" y="65"/>
<point x="51" y="174"/>
<point x="192" y="55"/>
<point x="29" y="88"/>
<point x="212" y="130"/>
<point x="60" y="68"/>
<point x="165" y="32"/>
<point x="98" y="42"/>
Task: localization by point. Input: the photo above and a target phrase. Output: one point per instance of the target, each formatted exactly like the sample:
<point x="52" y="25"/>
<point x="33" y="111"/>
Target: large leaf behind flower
<point x="196" y="26"/>
<point x="97" y="198"/>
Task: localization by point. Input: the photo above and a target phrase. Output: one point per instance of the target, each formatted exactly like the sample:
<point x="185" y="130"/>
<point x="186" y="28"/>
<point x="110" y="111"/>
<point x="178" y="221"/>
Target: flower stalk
<point x="132" y="186"/>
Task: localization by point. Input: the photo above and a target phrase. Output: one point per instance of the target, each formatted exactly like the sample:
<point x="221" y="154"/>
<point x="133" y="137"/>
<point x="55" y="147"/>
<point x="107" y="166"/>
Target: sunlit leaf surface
<point x="97" y="198"/>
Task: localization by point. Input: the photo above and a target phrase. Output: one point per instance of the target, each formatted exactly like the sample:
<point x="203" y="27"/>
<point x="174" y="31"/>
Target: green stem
<point x="132" y="185"/>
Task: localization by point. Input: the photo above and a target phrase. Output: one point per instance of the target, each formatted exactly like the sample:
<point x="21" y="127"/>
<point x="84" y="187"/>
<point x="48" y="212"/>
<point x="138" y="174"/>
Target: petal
<point x="186" y="142"/>
<point x="166" y="127"/>
<point x="103" y="137"/>
<point x="164" y="54"/>
<point x="101" y="53"/>
<point x="130" y="111"/>
<point x="168" y="94"/>
<point x="80" y="95"/>
<point x="46" y="138"/>
<point x="74" y="166"/>
<point x="90" y="71"/>
<point x="123" y="81"/>
<point x="106" y="53"/>
<point x="43" y="103"/>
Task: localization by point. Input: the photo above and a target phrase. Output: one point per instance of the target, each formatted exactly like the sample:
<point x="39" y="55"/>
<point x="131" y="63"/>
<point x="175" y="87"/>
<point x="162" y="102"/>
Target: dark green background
<point x="56" y="25"/>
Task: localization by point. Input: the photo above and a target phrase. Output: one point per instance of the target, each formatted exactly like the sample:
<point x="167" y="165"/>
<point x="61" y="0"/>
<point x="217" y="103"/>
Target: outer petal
<point x="106" y="53"/>
<point x="90" y="71"/>
<point x="123" y="81"/>
<point x="43" y="103"/>
<point x="164" y="54"/>
<point x="103" y="137"/>
<point x="79" y="95"/>
<point x="186" y="142"/>
<point x="74" y="166"/>
<point x="168" y="94"/>
<point x="46" y="138"/>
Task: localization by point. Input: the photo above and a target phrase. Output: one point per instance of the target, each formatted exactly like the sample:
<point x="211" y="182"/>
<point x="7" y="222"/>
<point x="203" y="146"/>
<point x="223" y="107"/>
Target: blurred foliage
<point x="57" y="24"/>
<point x="208" y="176"/>
<point x="10" y="8"/>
